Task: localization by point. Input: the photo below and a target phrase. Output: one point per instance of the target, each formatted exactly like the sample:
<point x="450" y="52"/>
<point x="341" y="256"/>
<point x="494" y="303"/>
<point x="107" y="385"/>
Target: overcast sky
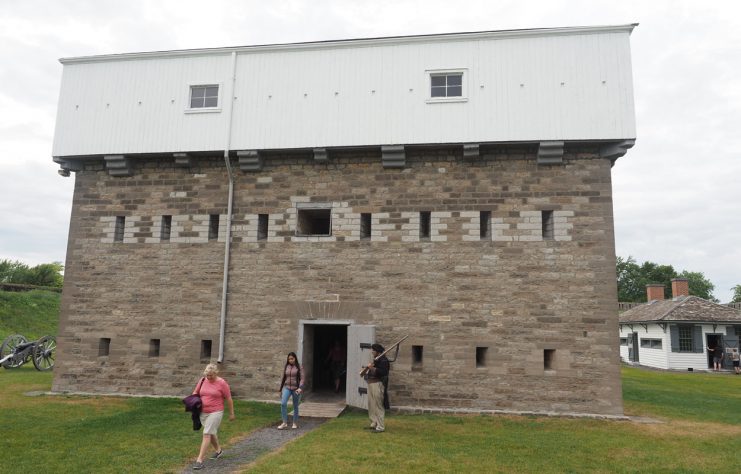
<point x="676" y="193"/>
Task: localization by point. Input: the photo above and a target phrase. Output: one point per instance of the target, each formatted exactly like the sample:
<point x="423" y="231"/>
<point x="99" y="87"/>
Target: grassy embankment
<point x="32" y="314"/>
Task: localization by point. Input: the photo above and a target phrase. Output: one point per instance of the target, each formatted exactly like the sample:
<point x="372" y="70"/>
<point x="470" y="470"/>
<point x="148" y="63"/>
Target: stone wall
<point x="513" y="292"/>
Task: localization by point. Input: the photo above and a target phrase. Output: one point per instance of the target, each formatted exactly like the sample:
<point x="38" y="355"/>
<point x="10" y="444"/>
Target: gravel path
<point x="253" y="446"/>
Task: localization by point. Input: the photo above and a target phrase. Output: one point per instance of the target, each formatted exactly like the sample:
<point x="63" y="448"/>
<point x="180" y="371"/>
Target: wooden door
<point x="359" y="340"/>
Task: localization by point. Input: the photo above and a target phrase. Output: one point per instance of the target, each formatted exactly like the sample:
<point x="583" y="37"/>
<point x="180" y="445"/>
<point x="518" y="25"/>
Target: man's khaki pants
<point x="376" y="411"/>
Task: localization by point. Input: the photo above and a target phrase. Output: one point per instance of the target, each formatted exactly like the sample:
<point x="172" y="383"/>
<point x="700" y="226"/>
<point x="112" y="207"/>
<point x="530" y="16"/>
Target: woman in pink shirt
<point x="213" y="391"/>
<point x="291" y="385"/>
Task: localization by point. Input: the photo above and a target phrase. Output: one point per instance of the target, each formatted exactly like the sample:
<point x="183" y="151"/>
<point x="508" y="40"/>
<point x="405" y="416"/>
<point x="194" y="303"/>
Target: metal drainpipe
<point x="228" y="243"/>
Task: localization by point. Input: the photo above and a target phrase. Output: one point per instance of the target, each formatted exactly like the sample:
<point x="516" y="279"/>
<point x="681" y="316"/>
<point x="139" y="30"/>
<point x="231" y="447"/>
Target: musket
<point x="365" y="369"/>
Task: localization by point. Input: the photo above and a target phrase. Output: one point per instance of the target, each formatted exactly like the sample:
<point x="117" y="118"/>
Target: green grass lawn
<point x="700" y="432"/>
<point x="687" y="396"/>
<point x="102" y="434"/>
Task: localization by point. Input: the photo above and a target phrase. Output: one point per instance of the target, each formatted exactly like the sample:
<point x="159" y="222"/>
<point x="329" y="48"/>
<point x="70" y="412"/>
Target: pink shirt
<point x="213" y="395"/>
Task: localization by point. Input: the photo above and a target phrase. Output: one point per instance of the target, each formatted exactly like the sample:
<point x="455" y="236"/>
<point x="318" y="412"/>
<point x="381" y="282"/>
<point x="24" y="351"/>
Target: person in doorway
<point x="213" y="391"/>
<point x="336" y="360"/>
<point x="377" y="378"/>
<point x="736" y="358"/>
<point x="717" y="351"/>
<point x="291" y="385"/>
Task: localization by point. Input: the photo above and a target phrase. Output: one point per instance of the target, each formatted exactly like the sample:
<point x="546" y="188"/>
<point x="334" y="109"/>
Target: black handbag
<point x="193" y="402"/>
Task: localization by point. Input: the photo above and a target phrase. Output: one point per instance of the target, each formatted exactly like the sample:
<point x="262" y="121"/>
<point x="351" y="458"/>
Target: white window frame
<point x="202" y="110"/>
<point x="444" y="72"/>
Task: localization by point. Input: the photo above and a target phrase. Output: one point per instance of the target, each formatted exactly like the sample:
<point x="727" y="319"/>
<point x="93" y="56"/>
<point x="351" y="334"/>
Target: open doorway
<point x="324" y="354"/>
<point x="713" y="340"/>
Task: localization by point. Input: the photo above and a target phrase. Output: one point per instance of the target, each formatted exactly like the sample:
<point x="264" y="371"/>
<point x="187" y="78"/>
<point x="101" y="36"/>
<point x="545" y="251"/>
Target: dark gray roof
<point x="683" y="308"/>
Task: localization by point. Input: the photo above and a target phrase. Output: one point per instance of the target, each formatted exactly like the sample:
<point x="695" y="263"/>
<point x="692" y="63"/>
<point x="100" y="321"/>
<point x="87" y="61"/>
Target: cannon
<point x="16" y="350"/>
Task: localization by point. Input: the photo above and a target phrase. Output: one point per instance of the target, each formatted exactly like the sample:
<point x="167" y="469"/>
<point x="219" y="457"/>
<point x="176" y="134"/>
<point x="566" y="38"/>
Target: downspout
<point x="228" y="243"/>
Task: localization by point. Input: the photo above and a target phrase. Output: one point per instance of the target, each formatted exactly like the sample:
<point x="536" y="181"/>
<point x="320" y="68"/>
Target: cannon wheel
<point x="8" y="347"/>
<point x="44" y="353"/>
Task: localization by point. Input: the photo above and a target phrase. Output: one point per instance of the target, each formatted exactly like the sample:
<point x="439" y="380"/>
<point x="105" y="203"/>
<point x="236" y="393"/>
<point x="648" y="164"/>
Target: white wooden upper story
<point x="567" y="84"/>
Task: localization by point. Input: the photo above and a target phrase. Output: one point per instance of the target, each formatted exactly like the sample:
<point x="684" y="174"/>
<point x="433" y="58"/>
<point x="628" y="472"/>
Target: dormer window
<point x="204" y="96"/>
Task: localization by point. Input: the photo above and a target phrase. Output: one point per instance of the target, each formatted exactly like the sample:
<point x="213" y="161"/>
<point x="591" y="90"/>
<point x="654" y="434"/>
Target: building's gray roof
<point x="682" y="308"/>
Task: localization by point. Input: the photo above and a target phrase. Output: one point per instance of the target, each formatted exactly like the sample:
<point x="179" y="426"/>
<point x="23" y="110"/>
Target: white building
<point x="676" y="334"/>
<point x="549" y="86"/>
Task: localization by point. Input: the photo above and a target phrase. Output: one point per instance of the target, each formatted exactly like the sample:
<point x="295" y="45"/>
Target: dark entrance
<point x="713" y="340"/>
<point x="323" y="368"/>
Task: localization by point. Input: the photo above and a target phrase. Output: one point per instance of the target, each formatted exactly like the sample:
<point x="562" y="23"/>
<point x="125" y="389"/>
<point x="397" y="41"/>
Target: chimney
<point x="680" y="287"/>
<point x="655" y="291"/>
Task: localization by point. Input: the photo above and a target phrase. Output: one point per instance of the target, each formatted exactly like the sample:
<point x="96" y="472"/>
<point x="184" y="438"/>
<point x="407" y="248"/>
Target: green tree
<point x="699" y="285"/>
<point x="655" y="273"/>
<point x="632" y="279"/>
<point x="12" y="271"/>
<point x="736" y="294"/>
<point x="45" y="274"/>
<point x="630" y="287"/>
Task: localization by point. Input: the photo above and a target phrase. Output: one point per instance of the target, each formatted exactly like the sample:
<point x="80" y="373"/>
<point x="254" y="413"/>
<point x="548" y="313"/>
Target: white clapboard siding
<point x="527" y="85"/>
<point x="654" y="357"/>
<point x="665" y="358"/>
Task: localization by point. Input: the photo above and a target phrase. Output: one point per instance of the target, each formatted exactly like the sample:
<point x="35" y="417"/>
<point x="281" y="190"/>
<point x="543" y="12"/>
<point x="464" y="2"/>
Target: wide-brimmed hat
<point x="377" y="347"/>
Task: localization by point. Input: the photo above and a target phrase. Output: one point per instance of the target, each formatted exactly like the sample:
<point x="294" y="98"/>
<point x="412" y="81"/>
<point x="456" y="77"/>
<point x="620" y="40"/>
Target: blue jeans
<point x="284" y="404"/>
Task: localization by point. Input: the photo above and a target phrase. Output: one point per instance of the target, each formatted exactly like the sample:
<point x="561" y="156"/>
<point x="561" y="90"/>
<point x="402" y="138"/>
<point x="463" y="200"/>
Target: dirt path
<point x="260" y="442"/>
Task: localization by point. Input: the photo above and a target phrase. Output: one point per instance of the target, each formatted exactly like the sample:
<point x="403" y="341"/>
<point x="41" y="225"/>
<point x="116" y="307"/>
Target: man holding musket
<point x="377" y="378"/>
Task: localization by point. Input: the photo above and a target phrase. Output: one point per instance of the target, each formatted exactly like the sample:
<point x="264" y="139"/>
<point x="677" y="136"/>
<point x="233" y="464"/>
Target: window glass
<point x="437" y="92"/>
<point x="446" y="85"/>
<point x="204" y="96"/>
<point x="455" y="79"/>
<point x="455" y="91"/>
<point x="685" y="338"/>
<point x="438" y="81"/>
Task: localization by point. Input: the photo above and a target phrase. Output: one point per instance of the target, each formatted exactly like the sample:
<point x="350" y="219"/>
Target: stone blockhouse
<point x="236" y="204"/>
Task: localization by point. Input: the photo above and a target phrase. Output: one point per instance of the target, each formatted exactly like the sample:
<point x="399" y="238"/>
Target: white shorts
<point x="211" y="422"/>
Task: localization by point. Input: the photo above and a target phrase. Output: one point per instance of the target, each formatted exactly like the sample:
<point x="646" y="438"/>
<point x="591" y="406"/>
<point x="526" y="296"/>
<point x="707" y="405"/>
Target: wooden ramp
<point x="322" y="409"/>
